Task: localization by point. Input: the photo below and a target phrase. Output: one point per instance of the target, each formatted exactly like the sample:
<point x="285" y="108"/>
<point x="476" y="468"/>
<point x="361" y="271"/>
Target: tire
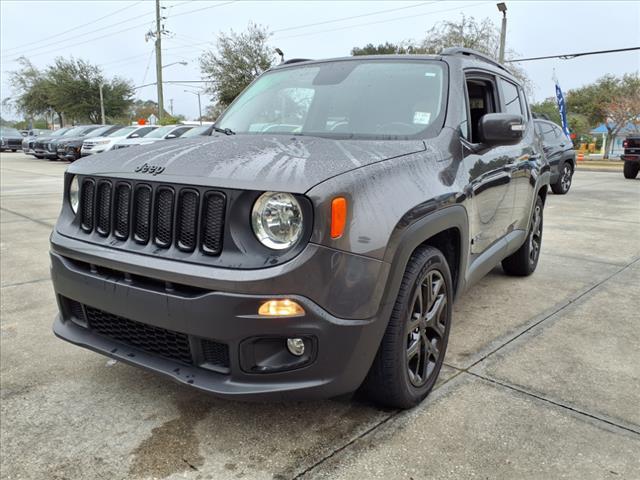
<point x="39" y="157"/>
<point x="562" y="186"/>
<point x="631" y="169"/>
<point x="14" y="150"/>
<point x="399" y="377"/>
<point x="525" y="260"/>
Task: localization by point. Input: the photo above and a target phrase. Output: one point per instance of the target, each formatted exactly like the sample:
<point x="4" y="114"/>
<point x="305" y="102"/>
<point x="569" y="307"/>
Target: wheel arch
<point x="446" y="229"/>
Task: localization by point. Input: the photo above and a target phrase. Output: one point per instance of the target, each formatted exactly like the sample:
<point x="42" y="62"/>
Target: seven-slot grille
<point x="163" y="215"/>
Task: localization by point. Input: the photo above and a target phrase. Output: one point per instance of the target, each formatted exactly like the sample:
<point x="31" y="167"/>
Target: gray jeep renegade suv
<point x="315" y="244"/>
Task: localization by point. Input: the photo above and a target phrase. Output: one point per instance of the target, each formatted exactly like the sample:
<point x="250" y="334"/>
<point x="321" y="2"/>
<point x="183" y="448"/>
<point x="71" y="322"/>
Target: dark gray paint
<point x="400" y="194"/>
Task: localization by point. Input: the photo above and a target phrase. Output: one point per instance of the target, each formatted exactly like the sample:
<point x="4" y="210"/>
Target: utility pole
<point x="502" y="7"/>
<point x="102" y="105"/>
<point x="159" y="61"/>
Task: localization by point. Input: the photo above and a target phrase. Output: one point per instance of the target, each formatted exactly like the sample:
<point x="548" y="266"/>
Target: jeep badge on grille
<point x="152" y="169"/>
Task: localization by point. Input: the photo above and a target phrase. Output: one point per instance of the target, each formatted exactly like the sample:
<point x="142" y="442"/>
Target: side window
<point x="464" y="124"/>
<point x="481" y="98"/>
<point x="525" y="105"/>
<point x="179" y="131"/>
<point x="142" y="131"/>
<point x="511" y="98"/>
<point x="559" y="133"/>
<point x="546" y="129"/>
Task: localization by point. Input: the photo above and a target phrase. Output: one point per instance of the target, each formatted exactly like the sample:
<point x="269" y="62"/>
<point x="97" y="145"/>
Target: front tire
<point x="631" y="169"/>
<point x="525" y="260"/>
<point x="412" y="350"/>
<point x="562" y="186"/>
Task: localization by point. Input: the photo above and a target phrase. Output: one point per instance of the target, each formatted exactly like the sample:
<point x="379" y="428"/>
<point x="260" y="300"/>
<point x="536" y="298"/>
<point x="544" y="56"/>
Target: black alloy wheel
<point x="414" y="344"/>
<point x="426" y="327"/>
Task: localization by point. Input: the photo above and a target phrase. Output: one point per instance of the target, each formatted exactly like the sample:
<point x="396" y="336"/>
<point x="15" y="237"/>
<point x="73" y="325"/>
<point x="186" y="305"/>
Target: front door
<point x="489" y="185"/>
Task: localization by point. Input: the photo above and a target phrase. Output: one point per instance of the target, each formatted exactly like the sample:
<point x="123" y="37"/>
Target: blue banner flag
<point x="563" y="110"/>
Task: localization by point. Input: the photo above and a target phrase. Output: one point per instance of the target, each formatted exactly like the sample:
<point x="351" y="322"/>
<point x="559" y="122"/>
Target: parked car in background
<point x="199" y="131"/>
<point x="48" y="147"/>
<point x="631" y="156"/>
<point x="30" y="139"/>
<point x="560" y="153"/>
<point x="39" y="144"/>
<point x="300" y="256"/>
<point x="69" y="147"/>
<point x="10" y="139"/>
<point x="167" y="132"/>
<point x="106" y="142"/>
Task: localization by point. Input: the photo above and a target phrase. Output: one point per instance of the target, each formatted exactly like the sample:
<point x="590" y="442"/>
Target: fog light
<point x="280" y="308"/>
<point x="295" y="346"/>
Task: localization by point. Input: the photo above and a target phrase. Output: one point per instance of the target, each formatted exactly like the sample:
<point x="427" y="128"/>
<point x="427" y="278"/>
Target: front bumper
<point x="45" y="153"/>
<point x="342" y="350"/>
<point x="68" y="154"/>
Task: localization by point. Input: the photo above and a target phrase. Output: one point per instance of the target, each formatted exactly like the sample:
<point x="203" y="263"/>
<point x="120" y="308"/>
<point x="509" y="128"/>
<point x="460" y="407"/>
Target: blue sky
<point x="42" y="30"/>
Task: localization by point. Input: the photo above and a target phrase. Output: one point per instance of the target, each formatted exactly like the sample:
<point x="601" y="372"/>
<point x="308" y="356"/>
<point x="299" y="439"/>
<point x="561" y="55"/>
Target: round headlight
<point x="277" y="220"/>
<point x="74" y="194"/>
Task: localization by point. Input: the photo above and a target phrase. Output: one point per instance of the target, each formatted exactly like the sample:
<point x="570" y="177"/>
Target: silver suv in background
<point x="167" y="132"/>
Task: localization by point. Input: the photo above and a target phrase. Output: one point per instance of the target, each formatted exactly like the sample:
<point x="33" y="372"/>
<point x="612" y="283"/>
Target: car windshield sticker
<point x="421" y="118"/>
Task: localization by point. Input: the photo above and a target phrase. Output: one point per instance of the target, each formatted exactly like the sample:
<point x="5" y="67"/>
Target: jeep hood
<point x="248" y="162"/>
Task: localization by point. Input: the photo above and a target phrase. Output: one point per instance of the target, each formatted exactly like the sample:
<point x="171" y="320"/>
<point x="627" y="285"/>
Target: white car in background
<point x="163" y="133"/>
<point x="103" y="144"/>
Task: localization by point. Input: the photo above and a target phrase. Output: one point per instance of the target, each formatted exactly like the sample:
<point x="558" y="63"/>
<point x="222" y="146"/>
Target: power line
<point x="203" y="8"/>
<point x="75" y="28"/>
<point x="569" y="56"/>
<point x="79" y="36"/>
<point x="106" y="27"/>
<point x="470" y="5"/>
<point x="354" y="16"/>
<point x="341" y="19"/>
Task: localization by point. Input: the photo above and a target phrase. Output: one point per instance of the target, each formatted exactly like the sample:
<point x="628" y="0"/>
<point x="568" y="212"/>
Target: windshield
<point x="9" y="132"/>
<point x="123" y="132"/>
<point x="196" y="131"/>
<point x="160" y="132"/>
<point x="367" y="98"/>
<point x="74" y="132"/>
<point x="60" y="132"/>
<point x="98" y="132"/>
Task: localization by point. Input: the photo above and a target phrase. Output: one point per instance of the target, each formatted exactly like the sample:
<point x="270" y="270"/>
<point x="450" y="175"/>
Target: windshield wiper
<point x="226" y="131"/>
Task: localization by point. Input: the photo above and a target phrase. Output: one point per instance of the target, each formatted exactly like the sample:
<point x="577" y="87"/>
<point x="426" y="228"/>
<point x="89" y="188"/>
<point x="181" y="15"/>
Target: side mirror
<point x="501" y="129"/>
<point x="134" y="135"/>
<point x="171" y="135"/>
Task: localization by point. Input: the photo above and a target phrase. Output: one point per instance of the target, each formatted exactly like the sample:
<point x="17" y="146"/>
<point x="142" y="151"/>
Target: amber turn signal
<point x="280" y="308"/>
<point x="338" y="216"/>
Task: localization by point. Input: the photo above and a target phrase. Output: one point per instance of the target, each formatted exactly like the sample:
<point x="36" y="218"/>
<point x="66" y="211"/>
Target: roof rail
<point x="295" y="60"/>
<point x="473" y="53"/>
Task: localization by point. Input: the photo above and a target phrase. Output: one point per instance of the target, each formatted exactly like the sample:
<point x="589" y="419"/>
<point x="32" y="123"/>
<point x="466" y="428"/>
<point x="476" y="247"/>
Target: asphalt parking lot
<point x="542" y="376"/>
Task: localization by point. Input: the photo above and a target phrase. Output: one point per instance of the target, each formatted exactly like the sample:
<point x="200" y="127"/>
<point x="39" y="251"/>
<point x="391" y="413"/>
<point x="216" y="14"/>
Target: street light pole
<point x="199" y="109"/>
<point x="199" y="104"/>
<point x="502" y="7"/>
<point x="159" y="61"/>
<point x="101" y="105"/>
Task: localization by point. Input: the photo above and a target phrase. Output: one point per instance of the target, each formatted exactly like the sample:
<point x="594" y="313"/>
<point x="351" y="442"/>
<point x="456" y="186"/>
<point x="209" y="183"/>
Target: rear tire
<point x="631" y="169"/>
<point x="562" y="186"/>
<point x="412" y="350"/>
<point x="525" y="260"/>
